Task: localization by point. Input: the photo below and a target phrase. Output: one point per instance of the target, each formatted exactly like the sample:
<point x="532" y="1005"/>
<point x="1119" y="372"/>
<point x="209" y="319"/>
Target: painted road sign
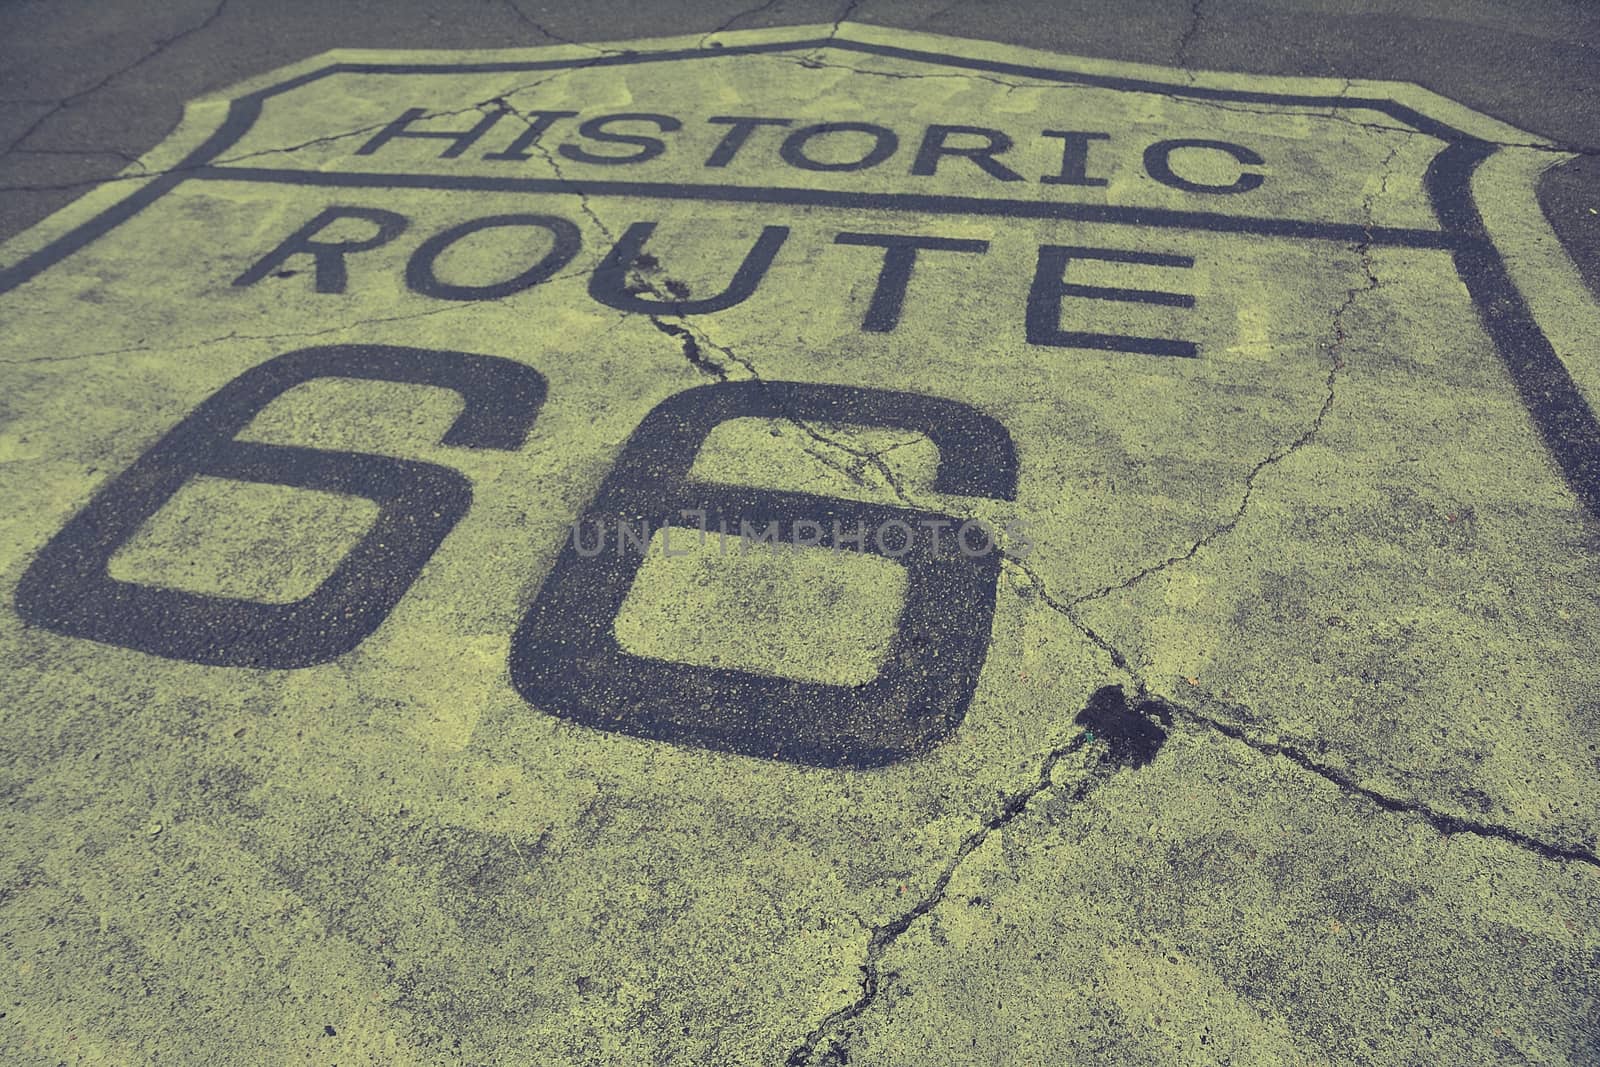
<point x="593" y="553"/>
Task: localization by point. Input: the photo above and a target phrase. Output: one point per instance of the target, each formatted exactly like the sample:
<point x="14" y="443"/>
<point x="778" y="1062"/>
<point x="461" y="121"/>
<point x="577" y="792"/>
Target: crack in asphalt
<point x="1128" y="733"/>
<point x="839" y="20"/>
<point x="500" y="102"/>
<point x="694" y="342"/>
<point x="883" y="937"/>
<point x="1444" y="822"/>
<point x="326" y="139"/>
<point x="1187" y="37"/>
<point x="1068" y="609"/>
<point x="129" y="160"/>
<point x="161" y="45"/>
<point x="844" y="16"/>
<point x="727" y="353"/>
<point x="811" y="62"/>
<point x="864" y="457"/>
<point x="234" y="335"/>
<point x="1336" y="363"/>
<point x="728" y="23"/>
<point x="545" y="31"/>
<point x="501" y="99"/>
<point x="691" y="348"/>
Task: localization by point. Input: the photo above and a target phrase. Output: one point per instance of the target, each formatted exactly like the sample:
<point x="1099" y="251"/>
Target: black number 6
<point x="565" y="657"/>
<point x="68" y="589"/>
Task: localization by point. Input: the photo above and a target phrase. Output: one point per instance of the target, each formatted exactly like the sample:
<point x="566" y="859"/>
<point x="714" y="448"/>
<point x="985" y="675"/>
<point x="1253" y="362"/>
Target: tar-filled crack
<point x="1129" y="734"/>
<point x="691" y="347"/>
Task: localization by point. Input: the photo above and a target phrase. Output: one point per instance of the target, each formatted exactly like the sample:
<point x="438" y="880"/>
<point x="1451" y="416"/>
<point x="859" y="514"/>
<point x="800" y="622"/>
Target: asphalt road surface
<point x="1001" y="533"/>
